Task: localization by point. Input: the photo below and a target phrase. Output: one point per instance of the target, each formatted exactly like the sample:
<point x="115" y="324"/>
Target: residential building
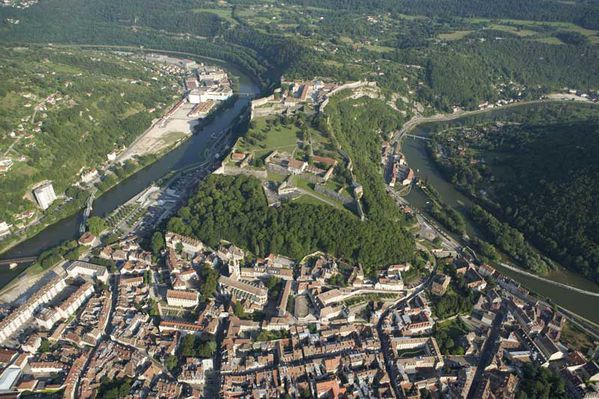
<point x="89" y="270"/>
<point x="182" y="298"/>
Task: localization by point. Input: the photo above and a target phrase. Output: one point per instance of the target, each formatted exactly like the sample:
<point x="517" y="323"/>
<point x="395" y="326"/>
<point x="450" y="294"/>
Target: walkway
<point x="568" y="287"/>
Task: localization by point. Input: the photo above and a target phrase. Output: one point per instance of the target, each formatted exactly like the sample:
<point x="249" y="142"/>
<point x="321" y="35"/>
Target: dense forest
<point x="234" y="209"/>
<point x="174" y="25"/>
<point x="541" y="177"/>
<point x="584" y="13"/>
<point x="541" y="383"/>
<point x="360" y="126"/>
<point x="335" y="40"/>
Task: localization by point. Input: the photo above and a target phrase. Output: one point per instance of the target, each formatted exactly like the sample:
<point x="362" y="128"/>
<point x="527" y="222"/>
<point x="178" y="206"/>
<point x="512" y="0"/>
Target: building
<point x="9" y="378"/>
<point x="44" y="195"/>
<point x="4" y="229"/>
<point x="73" y="302"/>
<point x="440" y="284"/>
<point x="194" y="96"/>
<point x="89" y="176"/>
<point x="89" y="270"/>
<point x="15" y="320"/>
<point x="190" y="246"/>
<point x="389" y="284"/>
<point x="217" y="93"/>
<point x="182" y="298"/>
<point x="242" y="290"/>
<point x="284" y="298"/>
<point x="296" y="167"/>
<point x="426" y="353"/>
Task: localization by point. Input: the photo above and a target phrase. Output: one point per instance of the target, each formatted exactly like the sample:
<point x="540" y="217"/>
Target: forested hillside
<point x="179" y="25"/>
<point x="234" y="209"/>
<point x="585" y="13"/>
<point x="444" y="54"/>
<point x="540" y="177"/>
<point x="64" y="110"/>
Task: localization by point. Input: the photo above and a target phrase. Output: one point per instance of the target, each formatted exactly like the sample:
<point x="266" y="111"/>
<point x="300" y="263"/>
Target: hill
<point x="540" y="177"/>
<point x="62" y="111"/>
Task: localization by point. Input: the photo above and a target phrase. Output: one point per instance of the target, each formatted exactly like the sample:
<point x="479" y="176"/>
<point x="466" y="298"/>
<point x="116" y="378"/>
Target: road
<point x="384" y="338"/>
<point x="418" y="119"/>
<point x="557" y="283"/>
<point x="487" y="351"/>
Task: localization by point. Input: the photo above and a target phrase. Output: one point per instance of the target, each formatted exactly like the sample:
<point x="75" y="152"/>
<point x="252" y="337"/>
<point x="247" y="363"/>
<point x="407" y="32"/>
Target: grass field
<point x="457" y="35"/>
<point x="576" y="338"/>
<point x="264" y="138"/>
<point x="224" y="13"/>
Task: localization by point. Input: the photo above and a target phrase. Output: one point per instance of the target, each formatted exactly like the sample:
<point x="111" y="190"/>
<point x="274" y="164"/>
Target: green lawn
<point x="265" y="137"/>
<point x="457" y="35"/>
<point x="576" y="338"/>
<point x="224" y="13"/>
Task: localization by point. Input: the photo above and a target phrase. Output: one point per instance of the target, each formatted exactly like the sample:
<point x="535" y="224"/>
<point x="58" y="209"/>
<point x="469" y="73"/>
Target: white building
<point x="14" y="321"/>
<point x="9" y="378"/>
<point x="89" y="176"/>
<point x="112" y="155"/>
<point x="44" y="195"/>
<point x="219" y="93"/>
<point x="90" y="270"/>
<point x="4" y="229"/>
<point x="182" y="298"/>
<point x="389" y="284"/>
<point x="48" y="317"/>
<point x="194" y="97"/>
<point x="191" y="246"/>
<point x="73" y="302"/>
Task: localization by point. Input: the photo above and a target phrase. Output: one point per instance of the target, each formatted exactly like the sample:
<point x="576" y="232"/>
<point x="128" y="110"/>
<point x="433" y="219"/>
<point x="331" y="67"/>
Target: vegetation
<point x="234" y="209"/>
<point x="538" y="177"/>
<point x="62" y="111"/>
<point x="52" y="256"/>
<point x="459" y="299"/>
<point x="208" y="281"/>
<point x="193" y="345"/>
<point x="509" y="240"/>
<point x="542" y="383"/>
<point x="577" y="339"/>
<point x="158" y="243"/>
<point x="449" y="336"/>
<point x="265" y="335"/>
<point x="114" y="389"/>
<point x="360" y="127"/>
<point x="447" y="216"/>
<point x="96" y="225"/>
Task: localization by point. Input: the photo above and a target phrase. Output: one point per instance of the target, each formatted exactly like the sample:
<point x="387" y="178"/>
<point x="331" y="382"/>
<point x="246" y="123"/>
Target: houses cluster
<point x="397" y="170"/>
<point x="336" y="360"/>
<point x="320" y="169"/>
<point x="318" y="327"/>
<point x="293" y="95"/>
<point x="56" y="317"/>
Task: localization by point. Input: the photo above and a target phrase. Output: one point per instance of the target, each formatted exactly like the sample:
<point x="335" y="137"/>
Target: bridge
<point x="25" y="259"/>
<point x="417" y="137"/>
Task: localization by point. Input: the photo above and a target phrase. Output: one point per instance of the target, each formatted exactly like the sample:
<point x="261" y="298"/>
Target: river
<point x="418" y="159"/>
<point x="188" y="153"/>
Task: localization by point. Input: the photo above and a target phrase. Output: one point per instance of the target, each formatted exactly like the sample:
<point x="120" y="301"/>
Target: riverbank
<point x="571" y="294"/>
<point x="153" y="144"/>
<point x="192" y="151"/>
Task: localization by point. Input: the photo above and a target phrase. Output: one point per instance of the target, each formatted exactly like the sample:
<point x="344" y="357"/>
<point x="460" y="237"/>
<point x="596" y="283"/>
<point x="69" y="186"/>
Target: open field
<point x="161" y="136"/>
